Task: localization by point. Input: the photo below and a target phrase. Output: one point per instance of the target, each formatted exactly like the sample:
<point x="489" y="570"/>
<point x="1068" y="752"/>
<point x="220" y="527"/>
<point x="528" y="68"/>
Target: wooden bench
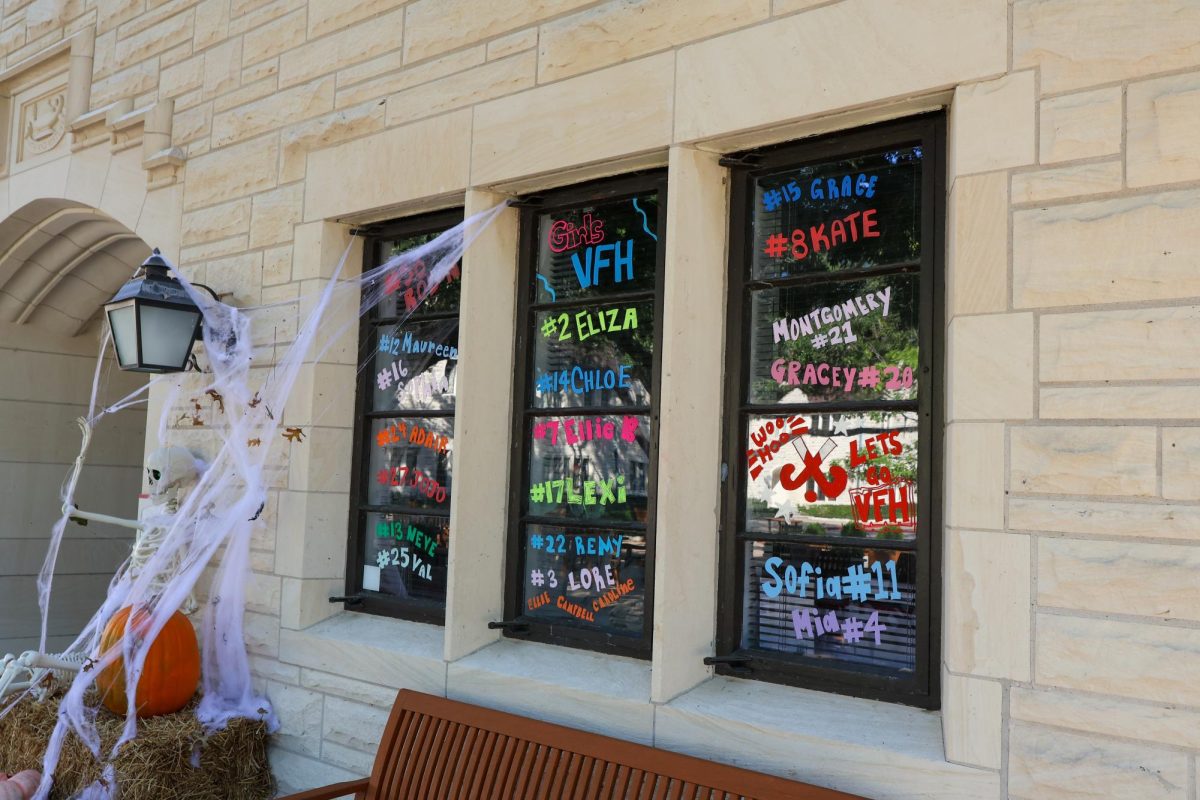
<point x="438" y="748"/>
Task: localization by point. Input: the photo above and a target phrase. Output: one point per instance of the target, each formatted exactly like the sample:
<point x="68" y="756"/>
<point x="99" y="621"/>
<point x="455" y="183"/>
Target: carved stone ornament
<point x="44" y="122"/>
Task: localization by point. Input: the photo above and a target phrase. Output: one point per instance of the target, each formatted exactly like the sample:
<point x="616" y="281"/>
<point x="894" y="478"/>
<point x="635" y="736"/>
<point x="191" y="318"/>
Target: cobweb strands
<point x="213" y="525"/>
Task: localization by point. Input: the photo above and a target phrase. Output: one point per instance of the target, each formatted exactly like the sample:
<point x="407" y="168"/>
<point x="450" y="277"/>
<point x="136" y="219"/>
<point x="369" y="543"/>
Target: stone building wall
<point x="1071" y="614"/>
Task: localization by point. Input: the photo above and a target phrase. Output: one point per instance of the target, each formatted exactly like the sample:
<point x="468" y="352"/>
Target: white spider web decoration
<point x="215" y="522"/>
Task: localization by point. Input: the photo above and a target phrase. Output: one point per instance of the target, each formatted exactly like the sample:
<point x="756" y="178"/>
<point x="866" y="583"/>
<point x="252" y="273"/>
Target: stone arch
<point x="60" y="261"/>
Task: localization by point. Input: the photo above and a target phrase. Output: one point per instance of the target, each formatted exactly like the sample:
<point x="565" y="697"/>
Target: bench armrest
<point x="356" y="788"/>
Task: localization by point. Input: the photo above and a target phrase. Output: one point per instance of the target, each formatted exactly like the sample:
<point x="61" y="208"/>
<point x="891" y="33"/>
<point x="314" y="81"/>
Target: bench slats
<point x="571" y="775"/>
<point x="430" y="749"/>
<point x="602" y="777"/>
<point x="462" y="766"/>
<point x="448" y="753"/>
<point x="439" y="749"/>
<point x="414" y="765"/>
<point x="560" y="775"/>
<point x="445" y="766"/>
<point x="585" y="785"/>
<point x="620" y="784"/>
<point x="639" y="786"/>
<point x="504" y="765"/>
<point x="589" y="787"/>
<point x="482" y="766"/>
<point x="476" y="772"/>
<point x="525" y="783"/>
<point x="391" y="772"/>
<point x="550" y="775"/>
<point x="516" y="775"/>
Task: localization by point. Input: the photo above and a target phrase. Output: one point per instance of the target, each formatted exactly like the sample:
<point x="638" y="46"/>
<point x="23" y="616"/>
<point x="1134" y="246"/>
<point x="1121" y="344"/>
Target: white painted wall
<point x="45" y="383"/>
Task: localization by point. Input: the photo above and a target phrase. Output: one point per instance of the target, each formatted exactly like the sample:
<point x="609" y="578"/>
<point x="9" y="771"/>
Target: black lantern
<point x="154" y="322"/>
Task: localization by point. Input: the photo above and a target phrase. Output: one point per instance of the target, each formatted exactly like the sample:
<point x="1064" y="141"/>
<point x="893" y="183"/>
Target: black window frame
<point x="416" y="610"/>
<point x="923" y="688"/>
<point x="518" y="624"/>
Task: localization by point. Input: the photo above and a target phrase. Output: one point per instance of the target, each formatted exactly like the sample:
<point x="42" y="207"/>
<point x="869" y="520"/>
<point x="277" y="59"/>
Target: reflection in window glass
<point x="597" y="250"/>
<point x="409" y="462"/>
<point x="589" y="387"/>
<point x="852" y="605"/>
<point x="405" y="556"/>
<point x="826" y="502"/>
<point x="414" y="365"/>
<point x="847" y="340"/>
<point x="590" y="467"/>
<point x="402" y="294"/>
<point x="833" y="475"/>
<point x="846" y="214"/>
<point x="591" y="576"/>
<point x="594" y="356"/>
<point x="409" y="360"/>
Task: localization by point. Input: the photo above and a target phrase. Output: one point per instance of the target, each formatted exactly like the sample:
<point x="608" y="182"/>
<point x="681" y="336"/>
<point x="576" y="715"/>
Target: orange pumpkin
<point x="172" y="669"/>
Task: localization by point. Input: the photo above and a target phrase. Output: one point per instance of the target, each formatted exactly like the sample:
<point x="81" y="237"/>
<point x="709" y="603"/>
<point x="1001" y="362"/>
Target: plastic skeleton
<point x="27" y="671"/>
<point x="171" y="472"/>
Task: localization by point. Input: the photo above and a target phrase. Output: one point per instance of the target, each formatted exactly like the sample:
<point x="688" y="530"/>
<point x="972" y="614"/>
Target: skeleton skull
<point x="171" y="468"/>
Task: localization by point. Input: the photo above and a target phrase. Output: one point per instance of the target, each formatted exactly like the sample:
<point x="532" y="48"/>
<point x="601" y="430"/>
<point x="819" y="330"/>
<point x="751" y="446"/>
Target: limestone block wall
<point x="1070" y="630"/>
<point x="1071" y="466"/>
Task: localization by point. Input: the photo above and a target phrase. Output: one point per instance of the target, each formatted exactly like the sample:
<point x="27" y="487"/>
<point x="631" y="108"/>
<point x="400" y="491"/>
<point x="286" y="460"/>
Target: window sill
<point x="865" y="747"/>
<point x="579" y="688"/>
<point x="389" y="652"/>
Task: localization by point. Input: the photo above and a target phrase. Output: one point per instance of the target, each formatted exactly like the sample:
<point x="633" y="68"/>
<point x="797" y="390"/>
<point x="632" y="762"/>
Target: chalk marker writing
<point x="616" y="257"/>
<point x="788" y="328"/>
<point x="812" y="624"/>
<point x="590" y="493"/>
<point x="586" y="429"/>
<point x="821" y="189"/>
<point x="578" y="380"/>
<point x="566" y="235"/>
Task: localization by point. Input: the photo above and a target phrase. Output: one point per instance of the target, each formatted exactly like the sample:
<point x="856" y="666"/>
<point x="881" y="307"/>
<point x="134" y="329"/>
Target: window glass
<point x="408" y="364"/>
<point x="595" y="577"/>
<point x="402" y="293"/>
<point x="409" y="462"/>
<point x="849" y="213"/>
<point x="841" y="474"/>
<point x="590" y="467"/>
<point x="597" y="250"/>
<point x="825" y="510"/>
<point x="827" y="342"/>
<point x="850" y="605"/>
<point x="405" y="556"/>
<point x="413" y="365"/>
<point x="600" y="355"/>
<point x="584" y="523"/>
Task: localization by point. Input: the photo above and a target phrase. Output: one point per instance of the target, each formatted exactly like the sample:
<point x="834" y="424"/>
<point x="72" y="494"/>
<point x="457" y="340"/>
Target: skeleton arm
<point x="69" y="509"/>
<point x="75" y="514"/>
<point x="27" y="670"/>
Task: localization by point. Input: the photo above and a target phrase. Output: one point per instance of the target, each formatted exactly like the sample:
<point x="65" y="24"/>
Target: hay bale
<point x="157" y="765"/>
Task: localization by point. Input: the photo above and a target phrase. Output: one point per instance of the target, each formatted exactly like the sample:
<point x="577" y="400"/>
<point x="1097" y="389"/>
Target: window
<point x="830" y="522"/>
<point x="404" y="434"/>
<point x="581" y="546"/>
